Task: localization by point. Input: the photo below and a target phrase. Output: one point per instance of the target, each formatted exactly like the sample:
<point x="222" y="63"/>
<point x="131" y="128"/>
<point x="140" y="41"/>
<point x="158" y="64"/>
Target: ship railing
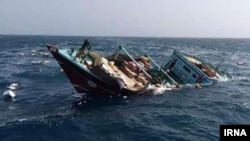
<point x="137" y="64"/>
<point x="163" y="71"/>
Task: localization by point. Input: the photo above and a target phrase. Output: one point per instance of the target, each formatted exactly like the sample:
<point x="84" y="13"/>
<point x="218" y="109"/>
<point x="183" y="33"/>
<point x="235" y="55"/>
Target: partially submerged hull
<point x="94" y="81"/>
<point x="188" y="69"/>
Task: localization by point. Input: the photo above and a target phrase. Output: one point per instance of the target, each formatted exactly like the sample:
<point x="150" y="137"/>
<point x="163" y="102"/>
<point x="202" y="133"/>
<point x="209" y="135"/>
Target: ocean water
<point x="47" y="107"/>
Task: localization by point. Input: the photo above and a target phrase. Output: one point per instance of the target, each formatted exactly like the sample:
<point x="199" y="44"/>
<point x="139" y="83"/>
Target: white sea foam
<point x="246" y="105"/>
<point x="21" y="54"/>
<point x="240" y="78"/>
<point x="46" y="62"/>
<point x="223" y="79"/>
<point x="36" y="62"/>
<point x="160" y="89"/>
<point x="33" y="51"/>
<point x="22" y="119"/>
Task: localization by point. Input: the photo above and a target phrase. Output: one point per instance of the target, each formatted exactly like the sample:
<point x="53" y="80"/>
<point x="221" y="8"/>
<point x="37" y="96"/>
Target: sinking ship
<point x="121" y="74"/>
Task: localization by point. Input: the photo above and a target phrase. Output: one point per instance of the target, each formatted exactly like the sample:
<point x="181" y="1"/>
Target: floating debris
<point x="9" y="94"/>
<point x="13" y="86"/>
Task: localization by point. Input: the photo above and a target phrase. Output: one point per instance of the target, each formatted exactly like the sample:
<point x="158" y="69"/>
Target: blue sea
<point x="47" y="108"/>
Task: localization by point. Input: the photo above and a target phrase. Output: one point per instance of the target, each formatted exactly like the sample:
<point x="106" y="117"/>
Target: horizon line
<point x="120" y="36"/>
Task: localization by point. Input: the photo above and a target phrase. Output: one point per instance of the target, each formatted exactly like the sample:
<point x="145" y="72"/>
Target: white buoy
<point x="13" y="86"/>
<point x="9" y="93"/>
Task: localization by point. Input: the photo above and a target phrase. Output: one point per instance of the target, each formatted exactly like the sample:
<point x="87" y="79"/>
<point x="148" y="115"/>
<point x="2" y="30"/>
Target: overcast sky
<point x="160" y="18"/>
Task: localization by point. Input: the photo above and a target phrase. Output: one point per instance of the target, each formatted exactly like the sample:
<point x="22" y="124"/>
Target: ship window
<point x="186" y="69"/>
<point x="194" y="75"/>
